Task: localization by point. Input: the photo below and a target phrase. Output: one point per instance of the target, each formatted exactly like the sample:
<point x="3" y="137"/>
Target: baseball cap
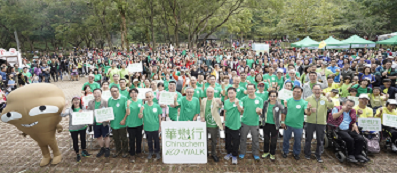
<point x="76" y="97"/>
<point x="392" y="102"/>
<point x="261" y="83"/>
<point x="135" y="80"/>
<point x="280" y="70"/>
<point x="363" y="96"/>
<point x="334" y="91"/>
<point x="390" y="57"/>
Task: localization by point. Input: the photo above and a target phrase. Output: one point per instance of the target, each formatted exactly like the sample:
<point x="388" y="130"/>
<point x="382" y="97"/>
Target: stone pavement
<point x="19" y="154"/>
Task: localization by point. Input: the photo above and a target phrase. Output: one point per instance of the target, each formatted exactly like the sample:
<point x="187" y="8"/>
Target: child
<point x="160" y="87"/>
<point x="35" y="79"/>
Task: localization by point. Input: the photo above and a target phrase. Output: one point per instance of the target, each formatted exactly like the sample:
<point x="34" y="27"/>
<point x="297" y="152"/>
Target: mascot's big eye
<point x="45" y="109"/>
<point x="10" y="116"/>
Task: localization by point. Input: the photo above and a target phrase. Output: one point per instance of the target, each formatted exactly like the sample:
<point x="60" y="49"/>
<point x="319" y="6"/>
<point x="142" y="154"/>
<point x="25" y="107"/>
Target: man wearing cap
<point x="388" y="89"/>
<point x="264" y="95"/>
<point x="93" y="85"/>
<point x="292" y="78"/>
<point x="173" y="109"/>
<point x="361" y="109"/>
<point x="190" y="106"/>
<point x="317" y="121"/>
<point x="391" y="110"/>
<point x="117" y="102"/>
<point x="307" y="87"/>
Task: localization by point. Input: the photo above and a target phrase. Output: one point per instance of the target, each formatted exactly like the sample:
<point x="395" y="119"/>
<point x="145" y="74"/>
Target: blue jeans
<point x="297" y="140"/>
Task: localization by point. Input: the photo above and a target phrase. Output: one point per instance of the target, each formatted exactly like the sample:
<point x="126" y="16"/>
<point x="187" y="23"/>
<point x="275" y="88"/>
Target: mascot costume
<point x="35" y="110"/>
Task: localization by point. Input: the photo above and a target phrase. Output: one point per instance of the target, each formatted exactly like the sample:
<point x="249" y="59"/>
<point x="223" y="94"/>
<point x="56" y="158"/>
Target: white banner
<point x="184" y="142"/>
<point x="167" y="98"/>
<point x="136" y="67"/>
<point x="82" y="118"/>
<point x="87" y="98"/>
<point x="106" y="95"/>
<point x="260" y="47"/>
<point x="389" y="120"/>
<point x="370" y="124"/>
<point x="355" y="99"/>
<point x="142" y="92"/>
<point x="104" y="114"/>
<point x="362" y="45"/>
<point x="338" y="47"/>
<point x="284" y="94"/>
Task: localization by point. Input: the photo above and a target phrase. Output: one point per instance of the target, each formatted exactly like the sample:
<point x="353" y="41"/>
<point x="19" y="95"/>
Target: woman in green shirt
<point x="97" y="77"/>
<point x="362" y="87"/>
<point x="76" y="130"/>
<point x="344" y="87"/>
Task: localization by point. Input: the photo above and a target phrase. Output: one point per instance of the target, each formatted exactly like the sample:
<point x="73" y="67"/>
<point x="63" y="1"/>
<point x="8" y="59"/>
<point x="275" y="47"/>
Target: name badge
<point x="273" y="78"/>
<point x="298" y="106"/>
<point x="118" y="105"/>
<point x="198" y="92"/>
<point x="256" y="102"/>
<point x="276" y="109"/>
<point x="139" y="105"/>
<point x="322" y="102"/>
<point x="234" y="105"/>
<point x="238" y="90"/>
<point x="154" y="110"/>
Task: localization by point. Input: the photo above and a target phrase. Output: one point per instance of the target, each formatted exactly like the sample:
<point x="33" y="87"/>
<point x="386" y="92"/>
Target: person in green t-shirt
<point x="362" y="87"/>
<point x="190" y="106"/>
<point x="116" y="79"/>
<point x="117" y="102"/>
<point x="292" y="121"/>
<point x="101" y="129"/>
<point x="232" y="111"/>
<point x="93" y="85"/>
<point x="97" y="76"/>
<point x="212" y="83"/>
<point x="250" y="121"/>
<point x="151" y="114"/>
<point x="134" y="124"/>
<point x="27" y="74"/>
<point x="243" y="82"/>
<point x="262" y="93"/>
<point x="173" y="108"/>
<point x="123" y="88"/>
<point x="76" y="130"/>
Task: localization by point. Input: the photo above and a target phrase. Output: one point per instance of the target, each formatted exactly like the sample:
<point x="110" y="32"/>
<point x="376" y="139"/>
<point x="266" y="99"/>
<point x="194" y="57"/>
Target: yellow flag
<point x="322" y="45"/>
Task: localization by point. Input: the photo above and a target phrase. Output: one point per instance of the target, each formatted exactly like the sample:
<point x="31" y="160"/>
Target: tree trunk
<point x="152" y="24"/>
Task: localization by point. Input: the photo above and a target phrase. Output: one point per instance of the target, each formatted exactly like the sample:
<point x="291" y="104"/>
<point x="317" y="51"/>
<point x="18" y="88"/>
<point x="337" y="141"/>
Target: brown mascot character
<point x="34" y="109"/>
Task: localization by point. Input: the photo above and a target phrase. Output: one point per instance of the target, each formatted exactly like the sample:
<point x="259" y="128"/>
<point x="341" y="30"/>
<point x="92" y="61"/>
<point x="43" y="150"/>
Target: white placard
<point x="88" y="98"/>
<point x="389" y="120"/>
<point x="355" y="99"/>
<point x="184" y="142"/>
<point x="284" y="94"/>
<point x="260" y="47"/>
<point x="104" y="114"/>
<point x="136" y="67"/>
<point x="106" y="95"/>
<point x="82" y="118"/>
<point x="370" y="124"/>
<point x="167" y="98"/>
<point x="142" y="92"/>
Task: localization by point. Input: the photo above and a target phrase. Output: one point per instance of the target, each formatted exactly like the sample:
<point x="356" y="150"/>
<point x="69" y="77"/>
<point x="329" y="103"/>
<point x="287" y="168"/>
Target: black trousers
<point x="390" y="132"/>
<point x="270" y="135"/>
<point x="135" y="135"/>
<point x="354" y="141"/>
<point x="232" y="141"/>
<point x="75" y="139"/>
<point x="150" y="137"/>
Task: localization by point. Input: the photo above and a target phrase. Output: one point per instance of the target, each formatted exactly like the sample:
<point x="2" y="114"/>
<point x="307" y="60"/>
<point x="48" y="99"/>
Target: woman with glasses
<point x="271" y="123"/>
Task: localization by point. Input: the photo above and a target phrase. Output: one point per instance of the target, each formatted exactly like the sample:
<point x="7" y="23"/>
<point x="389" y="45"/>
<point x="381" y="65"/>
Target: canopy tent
<point x="357" y="42"/>
<point x="386" y="36"/>
<point x="333" y="43"/>
<point x="390" y="41"/>
<point x="306" y="43"/>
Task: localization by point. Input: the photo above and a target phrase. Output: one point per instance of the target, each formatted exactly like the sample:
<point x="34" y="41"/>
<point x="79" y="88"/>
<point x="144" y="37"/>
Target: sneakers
<point x="234" y="160"/>
<point x="78" y="158"/>
<point x="272" y="157"/>
<point x="319" y="160"/>
<point x="116" y="154"/>
<point x="227" y="157"/>
<point x="132" y="159"/>
<point x="296" y="157"/>
<point x="84" y="153"/>
<point x="285" y="155"/>
<point x="361" y="158"/>
<point x="393" y="147"/>
<point x="215" y="158"/>
<point x="352" y="159"/>
<point x="265" y="155"/>
<point x="307" y="157"/>
<point x="150" y="155"/>
<point x="107" y="152"/>
<point x="158" y="156"/>
<point x="101" y="152"/>
<point x="256" y="157"/>
<point x="125" y="155"/>
<point x="241" y="156"/>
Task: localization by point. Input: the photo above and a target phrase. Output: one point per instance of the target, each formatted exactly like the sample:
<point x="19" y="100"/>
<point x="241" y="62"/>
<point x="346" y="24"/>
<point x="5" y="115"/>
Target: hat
<point x="325" y="63"/>
<point x="261" y="83"/>
<point x="364" y="96"/>
<point x="335" y="91"/>
<point x="390" y="57"/>
<point x="392" y="102"/>
<point x="280" y="70"/>
<point x="76" y="97"/>
<point x="388" y="49"/>
<point x="91" y="75"/>
<point x="135" y="80"/>
<point x="172" y="81"/>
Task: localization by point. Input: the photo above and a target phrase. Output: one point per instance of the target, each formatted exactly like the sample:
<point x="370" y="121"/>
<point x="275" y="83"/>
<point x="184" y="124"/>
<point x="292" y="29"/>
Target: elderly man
<point x="292" y="78"/>
<point x="361" y="109"/>
<point x="307" y="87"/>
<point x="217" y="90"/>
<point x="173" y="109"/>
<point x="317" y="121"/>
<point x="209" y="113"/>
<point x="93" y="85"/>
<point x="190" y="106"/>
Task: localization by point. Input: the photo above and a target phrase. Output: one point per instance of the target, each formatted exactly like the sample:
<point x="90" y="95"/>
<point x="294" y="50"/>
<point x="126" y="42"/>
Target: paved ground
<point x="18" y="154"/>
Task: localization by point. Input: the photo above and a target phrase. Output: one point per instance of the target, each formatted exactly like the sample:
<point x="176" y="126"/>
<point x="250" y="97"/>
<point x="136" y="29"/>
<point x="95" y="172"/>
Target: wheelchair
<point x="332" y="140"/>
<point x="388" y="141"/>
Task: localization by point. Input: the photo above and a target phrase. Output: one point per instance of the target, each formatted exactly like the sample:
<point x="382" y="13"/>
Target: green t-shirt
<point x="173" y="112"/>
<point x="166" y="83"/>
<point x="106" y="68"/>
<point x="217" y="92"/>
<point x="113" y="84"/>
<point x="97" y="104"/>
<point x="151" y="117"/>
<point x="295" y="114"/>
<point x="92" y="85"/>
<point x="266" y="77"/>
<point x="280" y="82"/>
<point x="97" y="77"/>
<point x="199" y="85"/>
<point x="269" y="115"/>
<point x="77" y="110"/>
<point x="155" y="100"/>
<point x="189" y="109"/>
<point x="118" y="111"/>
<point x="297" y="74"/>
<point x="251" y="79"/>
<point x="243" y="84"/>
<point x="311" y="85"/>
<point x="250" y="62"/>
<point x="28" y="75"/>
<point x="125" y="93"/>
<point x="264" y="96"/>
<point x="133" y="119"/>
<point x="209" y="120"/>
<point x="361" y="90"/>
<point x="250" y="117"/>
<point x="198" y="93"/>
<point x="232" y="115"/>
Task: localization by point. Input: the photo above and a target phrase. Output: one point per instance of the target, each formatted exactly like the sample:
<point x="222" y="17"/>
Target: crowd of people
<point x="243" y="86"/>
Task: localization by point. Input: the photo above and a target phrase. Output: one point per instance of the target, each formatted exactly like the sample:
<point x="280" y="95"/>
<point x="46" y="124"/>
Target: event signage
<point x="167" y="98"/>
<point x="284" y="94"/>
<point x="142" y="92"/>
<point x="104" y="114"/>
<point x="389" y="120"/>
<point x="88" y="98"/>
<point x="136" y="67"/>
<point x="106" y="95"/>
<point x="370" y="124"/>
<point x="184" y="142"/>
<point x="82" y="118"/>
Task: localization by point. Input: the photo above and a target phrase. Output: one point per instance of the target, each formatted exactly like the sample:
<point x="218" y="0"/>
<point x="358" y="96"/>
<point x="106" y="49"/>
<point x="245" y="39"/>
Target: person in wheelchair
<point x="389" y="131"/>
<point x="344" y="119"/>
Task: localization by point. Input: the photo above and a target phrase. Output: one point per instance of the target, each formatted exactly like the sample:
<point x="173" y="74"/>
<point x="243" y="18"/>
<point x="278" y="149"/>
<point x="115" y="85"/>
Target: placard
<point x="88" y="98"/>
<point x="106" y="95"/>
<point x="136" y="67"/>
<point x="82" y="118"/>
<point x="370" y="124"/>
<point x="389" y="120"/>
<point x="184" y="142"/>
<point x="355" y="99"/>
<point x="104" y="114"/>
<point x="284" y="94"/>
<point x="142" y="92"/>
<point x="167" y="98"/>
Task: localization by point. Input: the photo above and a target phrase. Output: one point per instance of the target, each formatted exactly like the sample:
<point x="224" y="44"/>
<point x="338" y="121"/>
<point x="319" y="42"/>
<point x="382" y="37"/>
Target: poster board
<point x="260" y="47"/>
<point x="136" y="67"/>
<point x="370" y="124"/>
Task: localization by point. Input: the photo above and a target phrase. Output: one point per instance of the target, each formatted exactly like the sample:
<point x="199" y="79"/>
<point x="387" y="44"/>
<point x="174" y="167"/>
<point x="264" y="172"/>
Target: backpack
<point x="373" y="143"/>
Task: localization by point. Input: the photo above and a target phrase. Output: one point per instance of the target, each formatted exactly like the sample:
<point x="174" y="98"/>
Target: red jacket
<point x="339" y="120"/>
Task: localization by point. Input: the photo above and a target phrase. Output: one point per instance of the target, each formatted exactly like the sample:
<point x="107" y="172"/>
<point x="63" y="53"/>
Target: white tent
<point x="386" y="36"/>
<point x="12" y="56"/>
